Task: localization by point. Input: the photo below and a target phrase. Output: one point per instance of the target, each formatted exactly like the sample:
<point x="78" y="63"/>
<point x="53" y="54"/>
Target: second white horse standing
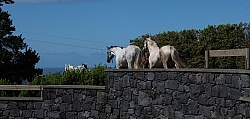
<point x="129" y="57"/>
<point x="159" y="56"/>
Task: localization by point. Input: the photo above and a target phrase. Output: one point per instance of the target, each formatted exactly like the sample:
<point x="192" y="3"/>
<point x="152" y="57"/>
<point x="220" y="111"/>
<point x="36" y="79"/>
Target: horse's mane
<point x="152" y="42"/>
<point x="112" y="46"/>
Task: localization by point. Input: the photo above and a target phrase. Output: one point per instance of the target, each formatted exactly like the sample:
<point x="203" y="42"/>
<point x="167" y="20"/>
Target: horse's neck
<point x="153" y="48"/>
<point x="117" y="50"/>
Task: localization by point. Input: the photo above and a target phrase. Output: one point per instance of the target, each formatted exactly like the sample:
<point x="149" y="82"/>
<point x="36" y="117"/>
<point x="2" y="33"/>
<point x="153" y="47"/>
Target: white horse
<point x="80" y="68"/>
<point x="129" y="57"/>
<point x="69" y="67"/>
<point x="159" y="56"/>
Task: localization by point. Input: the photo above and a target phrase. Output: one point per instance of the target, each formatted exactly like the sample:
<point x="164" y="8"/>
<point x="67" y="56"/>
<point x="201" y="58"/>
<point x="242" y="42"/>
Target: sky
<point x="78" y="31"/>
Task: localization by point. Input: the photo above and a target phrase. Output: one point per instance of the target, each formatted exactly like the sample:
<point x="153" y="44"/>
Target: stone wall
<point x="59" y="102"/>
<point x="143" y="94"/>
<point x="178" y="94"/>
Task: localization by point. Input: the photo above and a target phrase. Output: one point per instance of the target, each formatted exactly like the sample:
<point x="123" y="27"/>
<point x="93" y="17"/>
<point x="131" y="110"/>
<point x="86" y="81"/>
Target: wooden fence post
<point x="247" y="62"/>
<point x="227" y="53"/>
<point x="206" y="59"/>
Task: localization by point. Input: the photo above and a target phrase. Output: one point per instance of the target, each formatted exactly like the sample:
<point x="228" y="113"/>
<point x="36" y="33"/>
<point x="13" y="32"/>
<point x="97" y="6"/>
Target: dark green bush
<point x="94" y="76"/>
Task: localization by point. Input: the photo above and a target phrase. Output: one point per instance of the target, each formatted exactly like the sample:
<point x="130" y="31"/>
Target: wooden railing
<point x="22" y="87"/>
<point x="41" y="89"/>
<point x="227" y="53"/>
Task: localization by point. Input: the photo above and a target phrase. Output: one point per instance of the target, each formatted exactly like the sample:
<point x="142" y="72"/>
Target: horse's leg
<point x="150" y="63"/>
<point x="129" y="65"/>
<point x="117" y="64"/>
<point x="137" y="61"/>
<point x="164" y="59"/>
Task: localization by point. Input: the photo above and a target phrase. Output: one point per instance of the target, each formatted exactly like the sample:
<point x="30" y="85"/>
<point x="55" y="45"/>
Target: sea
<point x="50" y="70"/>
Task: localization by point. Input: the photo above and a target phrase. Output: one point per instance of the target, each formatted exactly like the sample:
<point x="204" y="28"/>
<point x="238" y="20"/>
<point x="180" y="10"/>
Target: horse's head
<point x="145" y="43"/>
<point x="85" y="66"/>
<point x="110" y="54"/>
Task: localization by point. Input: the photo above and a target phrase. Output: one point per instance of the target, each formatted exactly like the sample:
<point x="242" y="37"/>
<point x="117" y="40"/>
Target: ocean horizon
<point x="50" y="70"/>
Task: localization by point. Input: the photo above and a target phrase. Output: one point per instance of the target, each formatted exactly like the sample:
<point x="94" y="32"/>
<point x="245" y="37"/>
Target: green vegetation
<point x="192" y="44"/>
<point x="17" y="59"/>
<point x="94" y="76"/>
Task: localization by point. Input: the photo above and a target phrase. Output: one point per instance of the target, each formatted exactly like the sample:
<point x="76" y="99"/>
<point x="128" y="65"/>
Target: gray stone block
<point x="228" y="78"/>
<point x="144" y="99"/>
<point x="127" y="94"/>
<point x="14" y="113"/>
<point x="235" y="94"/>
<point x="145" y="85"/>
<point x="169" y="112"/>
<point x="38" y="105"/>
<point x="39" y="114"/>
<point x="94" y="114"/>
<point x="27" y="113"/>
<point x="220" y="79"/>
<point x="172" y="75"/>
<point x="245" y="81"/>
<point x="223" y="91"/>
<point x="207" y="89"/>
<point x="76" y="106"/>
<point x="194" y="88"/>
<point x="172" y="84"/>
<point x="167" y="99"/>
<point x="205" y="111"/>
<point x="3" y="106"/>
<point x="118" y="86"/>
<point x="131" y="111"/>
<point x="156" y="110"/>
<point x="124" y="106"/>
<point x="160" y="88"/>
<point x="235" y="81"/>
<point x="64" y="107"/>
<point x="215" y="91"/>
<point x="164" y="76"/>
<point x="138" y="110"/>
<point x="53" y="114"/>
<point x="67" y="98"/>
<point x="183" y="98"/>
<point x="102" y="97"/>
<point x="125" y="81"/>
<point x="70" y="115"/>
<point x="150" y="76"/>
<point x="178" y="115"/>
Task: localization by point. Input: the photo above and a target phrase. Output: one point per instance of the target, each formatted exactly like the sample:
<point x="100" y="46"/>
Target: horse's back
<point x="133" y="49"/>
<point x="133" y="55"/>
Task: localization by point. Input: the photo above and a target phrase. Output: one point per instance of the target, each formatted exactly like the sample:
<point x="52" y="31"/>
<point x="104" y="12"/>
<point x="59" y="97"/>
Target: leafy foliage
<point x="95" y="76"/>
<point x="6" y="2"/>
<point x="192" y="44"/>
<point x="17" y="60"/>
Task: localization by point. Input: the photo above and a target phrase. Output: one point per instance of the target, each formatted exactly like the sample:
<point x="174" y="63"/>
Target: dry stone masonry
<point x="144" y="94"/>
<point x="178" y="95"/>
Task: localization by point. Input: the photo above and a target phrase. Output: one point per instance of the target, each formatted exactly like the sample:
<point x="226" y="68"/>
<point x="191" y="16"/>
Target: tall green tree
<point x="17" y="60"/>
<point x="6" y="2"/>
<point x="193" y="43"/>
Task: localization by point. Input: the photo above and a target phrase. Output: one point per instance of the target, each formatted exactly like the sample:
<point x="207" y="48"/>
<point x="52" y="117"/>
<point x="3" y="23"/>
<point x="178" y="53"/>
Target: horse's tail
<point x="176" y="58"/>
<point x="137" y="61"/>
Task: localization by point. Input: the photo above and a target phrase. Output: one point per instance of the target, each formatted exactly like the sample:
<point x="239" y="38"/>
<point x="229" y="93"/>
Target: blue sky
<point x="78" y="31"/>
